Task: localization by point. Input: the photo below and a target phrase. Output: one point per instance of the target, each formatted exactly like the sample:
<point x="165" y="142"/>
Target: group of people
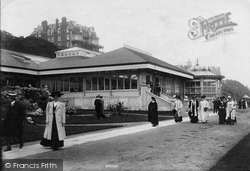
<point x="54" y="133"/>
<point x="224" y="107"/>
<point x="243" y="104"/>
<point x="198" y="110"/>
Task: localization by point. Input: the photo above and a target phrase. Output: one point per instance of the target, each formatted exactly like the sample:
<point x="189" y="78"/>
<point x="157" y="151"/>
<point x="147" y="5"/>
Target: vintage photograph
<point x="125" y="85"/>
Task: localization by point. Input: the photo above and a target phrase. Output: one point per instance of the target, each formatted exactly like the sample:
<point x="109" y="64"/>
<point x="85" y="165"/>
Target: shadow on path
<point x="237" y="159"/>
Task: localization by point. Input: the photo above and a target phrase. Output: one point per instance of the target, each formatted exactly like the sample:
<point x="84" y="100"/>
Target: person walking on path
<point x="203" y="108"/>
<point x="102" y="107"/>
<point x="178" y="107"/>
<point x="230" y="111"/>
<point x="153" y="112"/>
<point x="216" y="105"/>
<point x="13" y="121"/>
<point x="222" y="110"/>
<point x="193" y="110"/>
<point x="54" y="133"/>
<point x="99" y="107"/>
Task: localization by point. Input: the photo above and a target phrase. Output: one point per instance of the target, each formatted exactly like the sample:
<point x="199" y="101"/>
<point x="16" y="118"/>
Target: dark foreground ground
<point x="237" y="159"/>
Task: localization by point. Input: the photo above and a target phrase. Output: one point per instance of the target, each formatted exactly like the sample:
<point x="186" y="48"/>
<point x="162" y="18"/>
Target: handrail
<point x="159" y="98"/>
<point x="170" y="97"/>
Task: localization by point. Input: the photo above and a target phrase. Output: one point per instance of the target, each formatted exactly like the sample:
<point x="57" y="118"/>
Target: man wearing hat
<point x="203" y="108"/>
<point x="222" y="110"/>
<point x="54" y="133"/>
<point x="13" y="121"/>
<point x="99" y="107"/>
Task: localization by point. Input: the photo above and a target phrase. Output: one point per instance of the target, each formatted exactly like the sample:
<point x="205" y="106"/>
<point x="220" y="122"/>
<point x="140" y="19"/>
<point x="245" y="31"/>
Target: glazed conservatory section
<point x="128" y="86"/>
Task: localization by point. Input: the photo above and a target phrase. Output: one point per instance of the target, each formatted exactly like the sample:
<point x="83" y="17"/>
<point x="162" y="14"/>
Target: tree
<point x="234" y="88"/>
<point x="30" y="45"/>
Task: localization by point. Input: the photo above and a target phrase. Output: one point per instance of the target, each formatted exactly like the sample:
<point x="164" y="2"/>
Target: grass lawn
<point x="34" y="132"/>
<point x="93" y="120"/>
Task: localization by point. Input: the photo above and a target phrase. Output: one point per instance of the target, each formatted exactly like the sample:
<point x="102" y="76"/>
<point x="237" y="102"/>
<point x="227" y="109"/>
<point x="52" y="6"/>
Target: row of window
<point x="115" y="83"/>
<point x="75" y="84"/>
<point x="194" y="84"/>
<point x="72" y="84"/>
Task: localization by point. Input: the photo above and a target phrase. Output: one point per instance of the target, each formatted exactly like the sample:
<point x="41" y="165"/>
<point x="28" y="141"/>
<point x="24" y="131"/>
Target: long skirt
<point x="204" y="116"/>
<point x="222" y="116"/>
<point x="54" y="143"/>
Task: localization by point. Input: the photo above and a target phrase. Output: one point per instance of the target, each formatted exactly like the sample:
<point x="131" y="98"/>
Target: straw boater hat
<point x="229" y="97"/>
<point x="12" y="94"/>
<point x="58" y="93"/>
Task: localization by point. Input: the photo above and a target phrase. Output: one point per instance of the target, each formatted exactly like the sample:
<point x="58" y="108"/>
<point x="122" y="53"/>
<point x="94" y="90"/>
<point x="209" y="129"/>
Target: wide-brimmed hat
<point x="178" y="97"/>
<point x="203" y="96"/>
<point x="98" y="96"/>
<point x="58" y="93"/>
<point x="229" y="97"/>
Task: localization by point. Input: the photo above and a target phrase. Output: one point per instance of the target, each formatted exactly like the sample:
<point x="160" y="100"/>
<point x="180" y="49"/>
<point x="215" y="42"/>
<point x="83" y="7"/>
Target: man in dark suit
<point x="13" y="121"/>
<point x="216" y="105"/>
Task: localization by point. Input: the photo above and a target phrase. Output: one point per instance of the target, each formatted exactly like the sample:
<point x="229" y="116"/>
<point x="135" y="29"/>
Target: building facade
<point x="124" y="74"/>
<point x="68" y="34"/>
<point x="207" y="81"/>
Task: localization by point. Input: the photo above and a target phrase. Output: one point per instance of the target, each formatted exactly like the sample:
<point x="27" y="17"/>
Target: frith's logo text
<point x="211" y="28"/>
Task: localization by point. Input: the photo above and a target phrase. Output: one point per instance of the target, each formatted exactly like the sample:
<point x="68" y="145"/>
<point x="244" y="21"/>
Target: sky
<point x="159" y="27"/>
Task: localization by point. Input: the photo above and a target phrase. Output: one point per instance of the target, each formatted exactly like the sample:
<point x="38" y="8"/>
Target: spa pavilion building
<point x="124" y="74"/>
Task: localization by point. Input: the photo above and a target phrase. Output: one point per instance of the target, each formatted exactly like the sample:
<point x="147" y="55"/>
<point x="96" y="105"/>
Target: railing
<point x="163" y="104"/>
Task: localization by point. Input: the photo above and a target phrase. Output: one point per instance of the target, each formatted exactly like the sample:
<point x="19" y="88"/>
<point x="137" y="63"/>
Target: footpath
<point x="170" y="146"/>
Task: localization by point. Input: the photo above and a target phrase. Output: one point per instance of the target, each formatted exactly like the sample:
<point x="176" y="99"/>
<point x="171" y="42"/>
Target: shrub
<point x="116" y="107"/>
<point x="70" y="110"/>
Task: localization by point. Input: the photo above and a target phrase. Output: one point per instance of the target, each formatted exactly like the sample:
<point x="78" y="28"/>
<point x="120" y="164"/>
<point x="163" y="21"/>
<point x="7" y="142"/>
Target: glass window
<point x="101" y="83"/>
<point x="94" y="83"/>
<point x="58" y="85"/>
<point x="197" y="84"/>
<point x="66" y="84"/>
<point x="107" y="85"/>
<point x="120" y="82"/>
<point x="127" y="81"/>
<point x="114" y="83"/>
<point x="61" y="84"/>
<point x="192" y="84"/>
<point x="133" y="82"/>
<point x="88" y="84"/>
<point x="147" y="79"/>
<point x="76" y="84"/>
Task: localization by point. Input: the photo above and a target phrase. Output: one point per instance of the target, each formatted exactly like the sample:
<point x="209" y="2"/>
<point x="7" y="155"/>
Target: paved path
<point x="105" y="124"/>
<point x="83" y="138"/>
<point x="171" y="146"/>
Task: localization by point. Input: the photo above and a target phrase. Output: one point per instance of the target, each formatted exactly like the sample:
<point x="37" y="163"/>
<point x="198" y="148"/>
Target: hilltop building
<point x="66" y="34"/>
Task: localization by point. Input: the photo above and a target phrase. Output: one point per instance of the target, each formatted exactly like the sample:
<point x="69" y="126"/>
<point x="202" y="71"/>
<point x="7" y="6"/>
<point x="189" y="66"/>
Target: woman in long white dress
<point x="203" y="109"/>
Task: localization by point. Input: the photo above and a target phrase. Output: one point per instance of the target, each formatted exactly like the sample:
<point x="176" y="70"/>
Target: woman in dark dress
<point x="222" y="110"/>
<point x="54" y="133"/>
<point x="153" y="112"/>
<point x="193" y="107"/>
